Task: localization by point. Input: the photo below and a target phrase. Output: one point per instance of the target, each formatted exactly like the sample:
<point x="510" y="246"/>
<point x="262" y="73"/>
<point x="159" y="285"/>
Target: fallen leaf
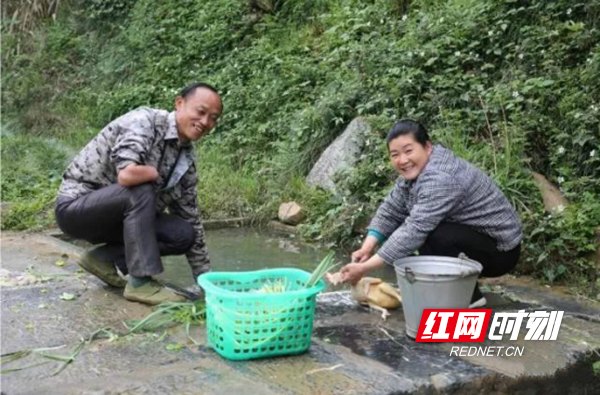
<point x="60" y="262"/>
<point x="174" y="346"/>
<point x="67" y="296"/>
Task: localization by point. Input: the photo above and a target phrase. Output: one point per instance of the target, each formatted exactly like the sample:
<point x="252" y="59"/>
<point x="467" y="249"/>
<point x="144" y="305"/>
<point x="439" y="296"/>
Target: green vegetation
<point x="281" y="285"/>
<point x="596" y="368"/>
<point x="511" y="85"/>
<point x="31" y="172"/>
<point x="170" y="314"/>
<point x="326" y="265"/>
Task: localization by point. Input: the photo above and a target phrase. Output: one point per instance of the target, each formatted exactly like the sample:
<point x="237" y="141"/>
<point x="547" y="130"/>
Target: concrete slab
<point x="353" y="350"/>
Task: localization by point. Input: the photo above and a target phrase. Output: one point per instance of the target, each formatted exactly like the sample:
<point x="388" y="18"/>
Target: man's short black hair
<point x="190" y="89"/>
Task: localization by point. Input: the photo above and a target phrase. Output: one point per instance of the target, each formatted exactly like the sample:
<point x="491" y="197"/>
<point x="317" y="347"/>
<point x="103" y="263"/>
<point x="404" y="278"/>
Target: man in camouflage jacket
<point x="118" y="187"/>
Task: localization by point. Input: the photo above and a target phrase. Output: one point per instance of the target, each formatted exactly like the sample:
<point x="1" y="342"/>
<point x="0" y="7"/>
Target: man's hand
<point x="135" y="174"/>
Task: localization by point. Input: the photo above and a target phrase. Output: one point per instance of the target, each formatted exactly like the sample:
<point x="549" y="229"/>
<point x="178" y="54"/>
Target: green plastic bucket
<point x="244" y="323"/>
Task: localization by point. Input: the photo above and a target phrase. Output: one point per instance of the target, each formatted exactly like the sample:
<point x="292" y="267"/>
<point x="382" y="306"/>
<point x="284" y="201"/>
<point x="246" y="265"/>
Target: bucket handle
<point x="463" y="257"/>
<point x="410" y="276"/>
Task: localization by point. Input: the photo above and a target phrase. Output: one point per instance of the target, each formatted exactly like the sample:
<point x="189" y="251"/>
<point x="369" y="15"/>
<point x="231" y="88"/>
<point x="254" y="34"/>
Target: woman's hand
<point x="362" y="255"/>
<point x="353" y="272"/>
<point x="366" y="250"/>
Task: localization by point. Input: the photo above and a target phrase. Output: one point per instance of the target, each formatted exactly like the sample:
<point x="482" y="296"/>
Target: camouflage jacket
<point x="148" y="137"/>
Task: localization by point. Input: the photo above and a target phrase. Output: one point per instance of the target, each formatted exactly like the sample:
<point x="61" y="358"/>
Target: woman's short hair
<point x="408" y="126"/>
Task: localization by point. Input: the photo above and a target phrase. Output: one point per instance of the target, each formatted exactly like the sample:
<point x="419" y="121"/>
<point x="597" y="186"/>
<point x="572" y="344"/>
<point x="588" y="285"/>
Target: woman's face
<point x="408" y="156"/>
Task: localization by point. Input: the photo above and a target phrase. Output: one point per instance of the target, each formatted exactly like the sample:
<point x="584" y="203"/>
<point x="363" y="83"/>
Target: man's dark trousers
<point x="125" y="218"/>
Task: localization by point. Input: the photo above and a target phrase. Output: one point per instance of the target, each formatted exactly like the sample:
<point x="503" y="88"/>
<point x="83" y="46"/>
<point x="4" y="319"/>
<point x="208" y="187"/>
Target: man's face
<point x="197" y="114"/>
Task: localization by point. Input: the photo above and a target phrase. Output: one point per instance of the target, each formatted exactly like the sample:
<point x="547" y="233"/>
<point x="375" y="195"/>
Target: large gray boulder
<point x="340" y="155"/>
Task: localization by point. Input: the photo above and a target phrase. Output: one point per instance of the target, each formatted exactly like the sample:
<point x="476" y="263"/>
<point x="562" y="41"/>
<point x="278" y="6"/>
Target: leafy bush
<point x="510" y="85"/>
<point x="31" y="173"/>
<point x="562" y="245"/>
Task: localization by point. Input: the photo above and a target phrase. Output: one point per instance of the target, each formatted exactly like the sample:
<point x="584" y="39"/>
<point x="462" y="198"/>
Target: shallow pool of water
<point x="242" y="249"/>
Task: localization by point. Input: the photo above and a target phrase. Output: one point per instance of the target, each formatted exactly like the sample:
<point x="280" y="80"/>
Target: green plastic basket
<point x="243" y="323"/>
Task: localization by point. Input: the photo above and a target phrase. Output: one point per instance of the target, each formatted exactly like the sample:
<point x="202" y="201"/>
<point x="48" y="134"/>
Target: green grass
<point x="31" y="172"/>
<point x="223" y="190"/>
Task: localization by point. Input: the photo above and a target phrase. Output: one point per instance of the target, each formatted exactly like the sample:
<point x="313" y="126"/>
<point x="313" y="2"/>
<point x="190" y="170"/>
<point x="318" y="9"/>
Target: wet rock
<point x="441" y="381"/>
<point x="282" y="228"/>
<point x="291" y="213"/>
<point x="340" y="155"/>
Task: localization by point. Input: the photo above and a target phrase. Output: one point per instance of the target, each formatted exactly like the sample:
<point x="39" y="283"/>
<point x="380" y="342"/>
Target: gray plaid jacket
<point x="448" y="189"/>
<point x="149" y="137"/>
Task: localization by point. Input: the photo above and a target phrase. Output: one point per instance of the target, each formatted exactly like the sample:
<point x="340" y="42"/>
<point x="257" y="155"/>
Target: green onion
<point x="273" y="287"/>
<point x="170" y="314"/>
<point x="325" y="266"/>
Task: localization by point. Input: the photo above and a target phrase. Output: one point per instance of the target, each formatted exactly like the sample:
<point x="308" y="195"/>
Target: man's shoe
<point x="100" y="264"/>
<point x="192" y="292"/>
<point x="151" y="293"/>
<point x="477" y="300"/>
